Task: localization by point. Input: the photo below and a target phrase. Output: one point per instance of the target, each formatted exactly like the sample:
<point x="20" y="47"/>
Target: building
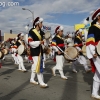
<point x="9" y="35"/>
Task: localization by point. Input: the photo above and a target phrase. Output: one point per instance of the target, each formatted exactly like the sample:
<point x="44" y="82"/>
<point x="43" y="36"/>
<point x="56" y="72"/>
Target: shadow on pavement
<point x="70" y="90"/>
<point x="15" y="91"/>
<point x="88" y="78"/>
<point x="47" y="70"/>
<point x="7" y="72"/>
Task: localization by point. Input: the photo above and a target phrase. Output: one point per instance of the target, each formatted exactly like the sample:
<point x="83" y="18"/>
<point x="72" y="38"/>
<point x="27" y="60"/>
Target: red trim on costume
<point x="77" y="45"/>
<point x="91" y="42"/>
<point x="14" y="47"/>
<point x="54" y="59"/>
<point x="30" y="40"/>
<point x="92" y="65"/>
<point x="96" y="43"/>
<point x="16" y="54"/>
<point x="60" y="45"/>
<point x="30" y="57"/>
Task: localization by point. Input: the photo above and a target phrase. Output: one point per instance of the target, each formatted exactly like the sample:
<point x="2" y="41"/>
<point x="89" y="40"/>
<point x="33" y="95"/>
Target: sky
<point x="54" y="12"/>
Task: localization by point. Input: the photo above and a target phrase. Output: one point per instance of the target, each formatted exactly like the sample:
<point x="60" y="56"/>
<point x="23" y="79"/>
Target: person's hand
<point x="41" y="42"/>
<point x="84" y="43"/>
<point x="95" y="55"/>
<point x="81" y="51"/>
<point x="59" y="52"/>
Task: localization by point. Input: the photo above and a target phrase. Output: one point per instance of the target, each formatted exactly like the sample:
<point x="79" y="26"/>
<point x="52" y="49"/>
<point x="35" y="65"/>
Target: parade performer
<point x="35" y="40"/>
<point x="19" y="57"/>
<point x="93" y="39"/>
<point x="58" y="41"/>
<point x="69" y="40"/>
<point x="13" y="48"/>
<point x="80" y="59"/>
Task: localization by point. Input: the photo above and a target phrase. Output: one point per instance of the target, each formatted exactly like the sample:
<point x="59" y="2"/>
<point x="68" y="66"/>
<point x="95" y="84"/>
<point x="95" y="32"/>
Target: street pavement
<point x="15" y="85"/>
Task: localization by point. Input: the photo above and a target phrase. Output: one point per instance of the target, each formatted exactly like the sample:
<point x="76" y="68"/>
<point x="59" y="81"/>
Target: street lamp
<point x="29" y="11"/>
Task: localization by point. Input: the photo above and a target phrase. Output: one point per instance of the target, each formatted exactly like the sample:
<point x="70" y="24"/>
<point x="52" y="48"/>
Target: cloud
<point x="15" y="18"/>
<point x="54" y="25"/>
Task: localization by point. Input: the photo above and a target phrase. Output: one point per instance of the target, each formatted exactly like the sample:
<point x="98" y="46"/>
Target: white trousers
<point x="95" y="89"/>
<point x="96" y="78"/>
<point x="15" y="58"/>
<point x="80" y="60"/>
<point x="52" y="54"/>
<point x="44" y="56"/>
<point x="20" y="61"/>
<point x="59" y="64"/>
<point x="33" y="73"/>
<point x="97" y="72"/>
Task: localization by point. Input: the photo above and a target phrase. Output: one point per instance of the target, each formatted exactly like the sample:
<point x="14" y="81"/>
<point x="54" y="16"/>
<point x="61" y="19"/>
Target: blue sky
<point x="54" y="12"/>
<point x="67" y="19"/>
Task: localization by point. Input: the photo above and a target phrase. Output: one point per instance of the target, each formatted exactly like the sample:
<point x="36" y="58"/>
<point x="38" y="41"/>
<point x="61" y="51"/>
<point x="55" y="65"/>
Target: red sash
<point x="93" y="66"/>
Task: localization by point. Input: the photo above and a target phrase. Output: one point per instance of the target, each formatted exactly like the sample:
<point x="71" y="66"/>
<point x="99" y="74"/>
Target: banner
<point x="47" y="28"/>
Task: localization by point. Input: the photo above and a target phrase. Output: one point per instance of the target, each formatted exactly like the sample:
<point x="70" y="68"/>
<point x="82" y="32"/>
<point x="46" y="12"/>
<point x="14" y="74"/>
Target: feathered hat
<point x="95" y="14"/>
<point x="37" y="21"/>
<point x="59" y="28"/>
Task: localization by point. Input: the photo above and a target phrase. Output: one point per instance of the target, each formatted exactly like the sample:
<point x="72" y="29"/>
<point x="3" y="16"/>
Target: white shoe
<point x="74" y="71"/>
<point x="19" y="69"/>
<point x="64" y="77"/>
<point x="24" y="70"/>
<point x="96" y="96"/>
<point x="43" y="85"/>
<point x="15" y="63"/>
<point x="33" y="82"/>
<point x="89" y="70"/>
<point x="43" y="66"/>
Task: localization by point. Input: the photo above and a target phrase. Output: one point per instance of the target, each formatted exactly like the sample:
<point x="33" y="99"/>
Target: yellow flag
<point x="78" y="26"/>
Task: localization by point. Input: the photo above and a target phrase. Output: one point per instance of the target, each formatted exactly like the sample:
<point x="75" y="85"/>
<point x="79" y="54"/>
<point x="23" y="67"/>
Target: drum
<point x="84" y="50"/>
<point x="47" y="35"/>
<point x="1" y="54"/>
<point x="21" y="49"/>
<point x="47" y="50"/>
<point x="72" y="53"/>
<point x="98" y="48"/>
<point x="5" y="51"/>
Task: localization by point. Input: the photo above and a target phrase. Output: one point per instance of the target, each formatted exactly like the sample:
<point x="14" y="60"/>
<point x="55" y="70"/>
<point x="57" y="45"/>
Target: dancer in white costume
<point x="13" y="50"/>
<point x="80" y="59"/>
<point x="58" y="41"/>
<point x="93" y="39"/>
<point x="19" y="57"/>
<point x="69" y="40"/>
<point x="35" y="40"/>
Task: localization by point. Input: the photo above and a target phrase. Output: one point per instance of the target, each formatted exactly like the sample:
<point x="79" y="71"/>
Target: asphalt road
<point x="15" y="85"/>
